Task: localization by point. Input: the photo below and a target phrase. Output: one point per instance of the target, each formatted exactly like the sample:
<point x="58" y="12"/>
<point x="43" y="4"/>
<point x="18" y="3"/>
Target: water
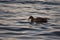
<point x="14" y="24"/>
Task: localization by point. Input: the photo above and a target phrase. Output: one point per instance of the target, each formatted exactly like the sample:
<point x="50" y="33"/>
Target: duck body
<point x="38" y="20"/>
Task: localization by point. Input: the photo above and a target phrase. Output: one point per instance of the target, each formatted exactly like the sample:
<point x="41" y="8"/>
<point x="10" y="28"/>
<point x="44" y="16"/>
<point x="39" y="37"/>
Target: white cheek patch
<point x="29" y="20"/>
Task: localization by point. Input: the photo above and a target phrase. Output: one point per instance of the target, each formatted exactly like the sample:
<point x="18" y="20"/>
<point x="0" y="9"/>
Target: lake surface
<point x="14" y="23"/>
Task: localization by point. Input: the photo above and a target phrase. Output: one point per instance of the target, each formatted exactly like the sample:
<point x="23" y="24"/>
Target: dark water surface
<point x="14" y="24"/>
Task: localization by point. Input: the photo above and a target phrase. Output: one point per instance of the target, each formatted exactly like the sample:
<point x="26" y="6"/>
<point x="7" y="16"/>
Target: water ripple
<point x="19" y="29"/>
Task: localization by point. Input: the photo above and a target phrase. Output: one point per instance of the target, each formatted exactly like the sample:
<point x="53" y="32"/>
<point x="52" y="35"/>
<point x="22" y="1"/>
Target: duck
<point x="38" y="20"/>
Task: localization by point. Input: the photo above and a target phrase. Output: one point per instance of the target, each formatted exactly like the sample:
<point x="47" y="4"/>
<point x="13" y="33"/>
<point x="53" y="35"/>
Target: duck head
<point x="31" y="17"/>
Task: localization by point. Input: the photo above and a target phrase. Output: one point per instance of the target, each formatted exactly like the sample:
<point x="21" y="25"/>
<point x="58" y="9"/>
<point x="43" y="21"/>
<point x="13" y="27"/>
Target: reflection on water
<point x="14" y="23"/>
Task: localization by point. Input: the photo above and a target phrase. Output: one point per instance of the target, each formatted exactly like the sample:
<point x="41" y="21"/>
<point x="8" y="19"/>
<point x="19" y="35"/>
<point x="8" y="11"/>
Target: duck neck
<point x="32" y="19"/>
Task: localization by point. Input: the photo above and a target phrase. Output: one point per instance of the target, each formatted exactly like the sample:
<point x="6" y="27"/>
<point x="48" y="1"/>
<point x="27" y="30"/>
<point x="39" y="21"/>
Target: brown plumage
<point x="38" y="20"/>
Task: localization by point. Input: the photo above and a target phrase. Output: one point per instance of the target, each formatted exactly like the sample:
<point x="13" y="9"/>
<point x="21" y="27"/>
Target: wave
<point x="33" y="2"/>
<point x="41" y="2"/>
<point x="18" y="29"/>
<point x="3" y="24"/>
<point x="10" y="33"/>
<point x="54" y="33"/>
